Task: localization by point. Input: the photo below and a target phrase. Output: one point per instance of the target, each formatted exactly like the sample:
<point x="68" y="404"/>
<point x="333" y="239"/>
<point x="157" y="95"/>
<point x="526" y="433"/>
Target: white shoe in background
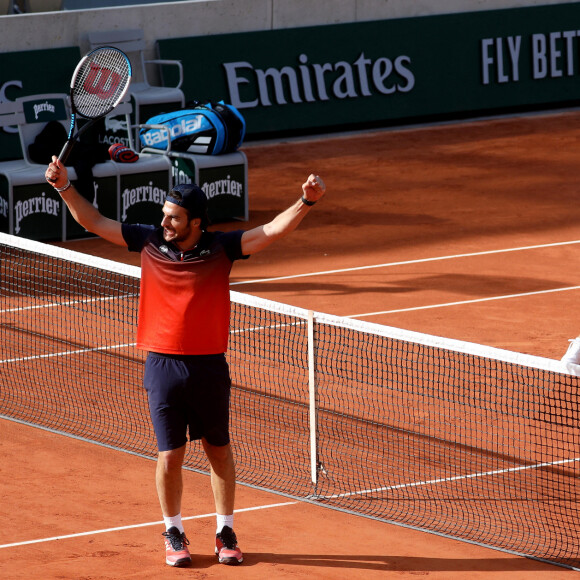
<point x="573" y="353"/>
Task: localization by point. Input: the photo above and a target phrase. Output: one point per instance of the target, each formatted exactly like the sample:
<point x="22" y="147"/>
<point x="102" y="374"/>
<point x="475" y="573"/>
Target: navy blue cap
<point x="193" y="199"/>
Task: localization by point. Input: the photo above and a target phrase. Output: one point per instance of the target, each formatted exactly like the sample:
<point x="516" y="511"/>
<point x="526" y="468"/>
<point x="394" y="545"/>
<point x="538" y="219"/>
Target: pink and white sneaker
<point x="176" y="552"/>
<point x="226" y="547"/>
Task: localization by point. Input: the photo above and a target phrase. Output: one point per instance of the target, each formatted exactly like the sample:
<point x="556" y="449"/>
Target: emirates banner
<point x="388" y="72"/>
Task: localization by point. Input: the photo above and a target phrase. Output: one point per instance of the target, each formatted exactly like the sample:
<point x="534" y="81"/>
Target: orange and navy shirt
<point x="184" y="305"/>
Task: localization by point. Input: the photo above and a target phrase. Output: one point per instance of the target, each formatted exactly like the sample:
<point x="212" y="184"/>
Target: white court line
<point x="448" y="479"/>
<point x="406" y="263"/>
<point x="67" y="352"/>
<point x="107" y="530"/>
<point x="68" y="303"/>
<point x="443" y="305"/>
<point x="130" y="344"/>
<point x="271" y="327"/>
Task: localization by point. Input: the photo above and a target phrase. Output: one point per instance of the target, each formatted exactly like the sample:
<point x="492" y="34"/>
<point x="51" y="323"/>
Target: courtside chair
<point x="148" y="99"/>
<point x="31" y="208"/>
<point x="143" y="185"/>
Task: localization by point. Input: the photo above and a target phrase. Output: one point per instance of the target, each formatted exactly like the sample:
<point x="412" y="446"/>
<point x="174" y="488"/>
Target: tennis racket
<point x="99" y="83"/>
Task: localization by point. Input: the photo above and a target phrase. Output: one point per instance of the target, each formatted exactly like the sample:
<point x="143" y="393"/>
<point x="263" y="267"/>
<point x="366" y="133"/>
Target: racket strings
<point x="100" y="82"/>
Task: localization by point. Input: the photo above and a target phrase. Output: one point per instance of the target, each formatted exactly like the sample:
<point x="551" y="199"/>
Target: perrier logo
<point x="219" y="187"/>
<point x="35" y="205"/>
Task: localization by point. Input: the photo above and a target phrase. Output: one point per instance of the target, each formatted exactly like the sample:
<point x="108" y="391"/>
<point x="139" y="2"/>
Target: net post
<point x="312" y="401"/>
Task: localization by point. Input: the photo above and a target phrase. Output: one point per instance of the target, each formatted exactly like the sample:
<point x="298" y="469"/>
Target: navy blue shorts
<point x="188" y="392"/>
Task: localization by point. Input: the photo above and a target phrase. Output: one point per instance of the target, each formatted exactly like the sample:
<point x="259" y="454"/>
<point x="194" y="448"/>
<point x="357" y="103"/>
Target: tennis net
<point x="461" y="440"/>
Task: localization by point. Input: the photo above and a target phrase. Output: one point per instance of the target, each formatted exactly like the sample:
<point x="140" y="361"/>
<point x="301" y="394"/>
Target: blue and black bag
<point x="209" y="128"/>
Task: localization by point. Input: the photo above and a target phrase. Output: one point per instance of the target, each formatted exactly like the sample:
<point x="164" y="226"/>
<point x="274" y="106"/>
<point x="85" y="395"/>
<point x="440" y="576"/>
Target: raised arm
<point x="257" y="239"/>
<point x="82" y="210"/>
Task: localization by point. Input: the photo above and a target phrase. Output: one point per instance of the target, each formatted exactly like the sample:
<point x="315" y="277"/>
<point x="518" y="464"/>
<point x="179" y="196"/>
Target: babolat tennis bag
<point x="209" y="128"/>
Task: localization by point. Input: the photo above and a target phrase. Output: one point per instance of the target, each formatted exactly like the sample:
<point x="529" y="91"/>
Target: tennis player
<point x="183" y="324"/>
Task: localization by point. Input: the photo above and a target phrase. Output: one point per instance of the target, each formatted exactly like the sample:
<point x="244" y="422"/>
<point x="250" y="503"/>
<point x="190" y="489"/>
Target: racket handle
<point x="66" y="151"/>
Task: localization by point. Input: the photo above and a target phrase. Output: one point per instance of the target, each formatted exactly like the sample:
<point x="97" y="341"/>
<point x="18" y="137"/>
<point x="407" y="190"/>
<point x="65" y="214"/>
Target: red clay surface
<point x="398" y="200"/>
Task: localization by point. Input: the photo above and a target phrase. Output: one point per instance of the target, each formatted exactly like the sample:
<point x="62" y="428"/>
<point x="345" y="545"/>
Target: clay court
<point x="469" y="231"/>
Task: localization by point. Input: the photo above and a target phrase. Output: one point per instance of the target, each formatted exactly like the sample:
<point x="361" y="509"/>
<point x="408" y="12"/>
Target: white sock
<point x="224" y="521"/>
<point x="173" y="522"/>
